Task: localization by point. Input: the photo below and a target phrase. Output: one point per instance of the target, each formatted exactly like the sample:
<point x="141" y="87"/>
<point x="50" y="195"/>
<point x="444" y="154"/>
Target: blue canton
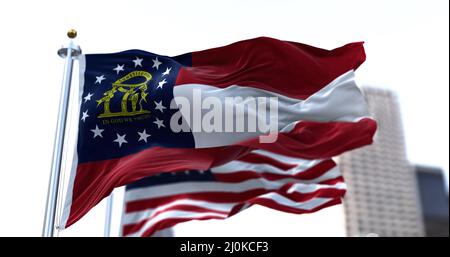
<point x="125" y="106"/>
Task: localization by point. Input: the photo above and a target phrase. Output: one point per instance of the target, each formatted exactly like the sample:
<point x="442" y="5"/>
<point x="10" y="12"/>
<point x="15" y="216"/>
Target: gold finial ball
<point x="72" y="33"/>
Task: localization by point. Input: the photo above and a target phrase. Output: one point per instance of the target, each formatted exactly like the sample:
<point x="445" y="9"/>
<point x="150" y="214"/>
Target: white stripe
<point x="341" y="100"/>
<point x="134" y="217"/>
<point x="309" y="188"/>
<point x="203" y="187"/>
<point x="234" y="166"/>
<point x="168" y="232"/>
<point x="307" y="205"/>
<point x="286" y="159"/>
<point x="174" y="214"/>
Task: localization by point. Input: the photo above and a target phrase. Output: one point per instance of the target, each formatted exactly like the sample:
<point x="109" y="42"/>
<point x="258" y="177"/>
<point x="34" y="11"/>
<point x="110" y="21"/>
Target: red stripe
<point x="332" y="181"/>
<point x="319" y="140"/>
<point x="311" y="173"/>
<point x="237" y="208"/>
<point x="292" y="69"/>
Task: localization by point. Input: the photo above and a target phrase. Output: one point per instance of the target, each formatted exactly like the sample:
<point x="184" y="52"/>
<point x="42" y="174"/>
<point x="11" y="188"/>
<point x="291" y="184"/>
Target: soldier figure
<point x="106" y="99"/>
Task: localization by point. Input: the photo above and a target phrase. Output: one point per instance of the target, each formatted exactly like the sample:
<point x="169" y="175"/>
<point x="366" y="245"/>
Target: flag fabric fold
<point x="142" y="113"/>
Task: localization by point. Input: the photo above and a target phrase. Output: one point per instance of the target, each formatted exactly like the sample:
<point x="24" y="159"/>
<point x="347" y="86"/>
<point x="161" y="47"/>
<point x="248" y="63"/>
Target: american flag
<point x="157" y="203"/>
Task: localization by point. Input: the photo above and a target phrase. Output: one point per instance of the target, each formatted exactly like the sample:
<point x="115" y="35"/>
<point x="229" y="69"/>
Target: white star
<point x="167" y="71"/>
<point x="156" y="63"/>
<point x="97" y="131"/>
<point x="119" y="68"/>
<point x="120" y="139"/>
<point x="88" y="97"/>
<point x="161" y="84"/>
<point x="85" y="115"/>
<point x="159" y="123"/>
<point x="143" y="136"/>
<point x="138" y="62"/>
<point x="159" y="106"/>
<point x="99" y="79"/>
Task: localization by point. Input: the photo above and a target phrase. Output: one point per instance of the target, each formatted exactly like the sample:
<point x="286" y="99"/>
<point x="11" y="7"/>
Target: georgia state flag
<point x="139" y="111"/>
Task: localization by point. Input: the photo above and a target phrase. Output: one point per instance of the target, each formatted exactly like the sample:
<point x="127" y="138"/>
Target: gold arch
<point x="131" y="93"/>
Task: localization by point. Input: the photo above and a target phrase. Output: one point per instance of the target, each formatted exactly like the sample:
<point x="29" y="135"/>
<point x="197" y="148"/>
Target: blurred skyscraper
<point x="382" y="196"/>
<point x="434" y="200"/>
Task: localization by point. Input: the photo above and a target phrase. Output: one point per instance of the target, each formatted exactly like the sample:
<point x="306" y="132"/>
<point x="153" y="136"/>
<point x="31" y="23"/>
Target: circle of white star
<point x="97" y="131"/>
<point x="161" y="84"/>
<point x="159" y="123"/>
<point x="167" y="71"/>
<point x="85" y="115"/>
<point x="159" y="106"/>
<point x="99" y="79"/>
<point x="120" y="139"/>
<point x="138" y="62"/>
<point x="143" y="136"/>
<point x="119" y="68"/>
<point x="88" y="97"/>
<point x="156" y="63"/>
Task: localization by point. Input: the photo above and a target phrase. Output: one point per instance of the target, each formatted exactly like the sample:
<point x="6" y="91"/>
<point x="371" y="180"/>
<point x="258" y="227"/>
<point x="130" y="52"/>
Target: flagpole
<point x="69" y="53"/>
<point x="108" y="216"/>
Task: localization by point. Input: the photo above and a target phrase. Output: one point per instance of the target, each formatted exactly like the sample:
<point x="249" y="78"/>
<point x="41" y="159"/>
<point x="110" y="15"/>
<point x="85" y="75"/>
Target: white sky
<point x="407" y="46"/>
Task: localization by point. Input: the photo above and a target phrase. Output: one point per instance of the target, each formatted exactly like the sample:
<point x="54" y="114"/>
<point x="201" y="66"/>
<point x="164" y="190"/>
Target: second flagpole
<point x="108" y="215"/>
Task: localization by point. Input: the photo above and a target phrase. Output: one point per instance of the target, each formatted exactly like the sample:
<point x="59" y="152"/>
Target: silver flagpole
<point x="70" y="52"/>
<point x="108" y="216"/>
